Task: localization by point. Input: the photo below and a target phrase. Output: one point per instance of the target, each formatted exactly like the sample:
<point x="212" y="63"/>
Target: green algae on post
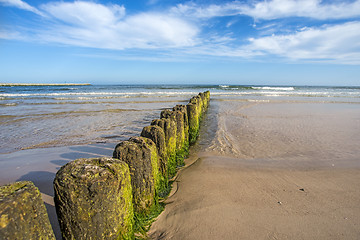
<point x="141" y="156"/>
<point x="182" y="143"/>
<point x="22" y="213"/>
<point x="195" y="108"/>
<point x="194" y="118"/>
<point x="147" y="180"/>
<point x="95" y="196"/>
<point x="157" y="135"/>
<point x="169" y="126"/>
<point x="93" y="199"/>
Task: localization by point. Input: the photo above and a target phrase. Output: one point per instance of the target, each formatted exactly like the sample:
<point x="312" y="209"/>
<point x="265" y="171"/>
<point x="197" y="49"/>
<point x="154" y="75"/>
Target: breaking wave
<point x="275" y="88"/>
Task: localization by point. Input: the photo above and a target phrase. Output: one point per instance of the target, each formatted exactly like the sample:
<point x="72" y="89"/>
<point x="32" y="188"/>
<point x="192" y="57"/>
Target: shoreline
<point x="268" y="203"/>
<point x="141" y="158"/>
<point x="271" y="171"/>
<point x="241" y="184"/>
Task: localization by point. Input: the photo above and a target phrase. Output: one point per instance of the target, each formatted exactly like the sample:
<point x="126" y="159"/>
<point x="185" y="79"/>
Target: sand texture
<point x="269" y="170"/>
<point x="260" y="170"/>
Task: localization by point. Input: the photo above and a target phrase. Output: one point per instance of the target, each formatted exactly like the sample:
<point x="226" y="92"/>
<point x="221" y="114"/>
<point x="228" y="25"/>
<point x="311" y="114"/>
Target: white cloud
<point x="22" y="5"/>
<point x="86" y="14"/>
<point x="90" y="24"/>
<point x="273" y="9"/>
<point x="195" y="11"/>
<point x="95" y="25"/>
<point x="160" y="29"/>
<point x="332" y="43"/>
<point x="10" y="35"/>
<point x="302" y="8"/>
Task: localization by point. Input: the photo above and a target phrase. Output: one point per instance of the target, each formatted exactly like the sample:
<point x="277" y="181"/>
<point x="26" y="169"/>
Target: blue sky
<point x="277" y="42"/>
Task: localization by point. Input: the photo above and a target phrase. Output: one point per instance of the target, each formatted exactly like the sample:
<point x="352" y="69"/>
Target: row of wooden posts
<point x="108" y="198"/>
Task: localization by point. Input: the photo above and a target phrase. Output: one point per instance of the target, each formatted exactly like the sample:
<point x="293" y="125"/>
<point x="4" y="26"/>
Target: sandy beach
<point x="262" y="98"/>
<point x="269" y="170"/>
<point x="278" y="167"/>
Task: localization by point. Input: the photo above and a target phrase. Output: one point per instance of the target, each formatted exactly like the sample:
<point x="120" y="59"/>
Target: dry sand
<point x="271" y="170"/>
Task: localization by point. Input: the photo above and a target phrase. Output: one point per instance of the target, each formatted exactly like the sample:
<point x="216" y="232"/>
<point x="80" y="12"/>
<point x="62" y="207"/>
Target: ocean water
<point x="47" y="116"/>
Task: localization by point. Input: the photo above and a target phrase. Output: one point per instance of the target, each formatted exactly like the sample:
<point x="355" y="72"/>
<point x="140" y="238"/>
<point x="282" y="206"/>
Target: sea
<point x="43" y="116"/>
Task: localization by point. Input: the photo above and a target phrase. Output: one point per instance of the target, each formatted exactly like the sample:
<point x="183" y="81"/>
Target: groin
<point x="111" y="197"/>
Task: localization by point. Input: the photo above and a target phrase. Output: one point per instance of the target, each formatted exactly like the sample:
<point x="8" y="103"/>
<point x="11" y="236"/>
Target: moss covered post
<point x="109" y="198"/>
<point x="22" y="213"/>
<point x="140" y="154"/>
<point x="205" y="96"/>
<point x="168" y="124"/>
<point x="195" y="109"/>
<point x="93" y="199"/>
<point x="194" y="121"/>
<point x="183" y="110"/>
<point x="157" y="135"/>
<point x="182" y="132"/>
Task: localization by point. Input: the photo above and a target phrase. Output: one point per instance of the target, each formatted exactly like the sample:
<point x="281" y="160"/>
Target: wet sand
<point x="261" y="170"/>
<point x="269" y="170"/>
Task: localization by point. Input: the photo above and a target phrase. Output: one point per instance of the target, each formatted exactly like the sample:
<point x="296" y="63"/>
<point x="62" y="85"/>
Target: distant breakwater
<point x="43" y="84"/>
<point x="109" y="198"/>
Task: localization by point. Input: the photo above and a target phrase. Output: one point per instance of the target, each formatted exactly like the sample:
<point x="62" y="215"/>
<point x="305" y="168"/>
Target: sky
<point x="271" y="42"/>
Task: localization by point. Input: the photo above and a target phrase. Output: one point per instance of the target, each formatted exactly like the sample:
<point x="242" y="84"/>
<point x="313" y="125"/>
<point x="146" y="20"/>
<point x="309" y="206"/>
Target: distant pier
<point x="43" y="84"/>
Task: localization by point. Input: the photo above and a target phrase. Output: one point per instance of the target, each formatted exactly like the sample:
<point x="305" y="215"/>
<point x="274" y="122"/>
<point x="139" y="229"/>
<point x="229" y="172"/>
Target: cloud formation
<point x="302" y="8"/>
<point x="338" y="43"/>
<point x="95" y="25"/>
<point x="184" y="29"/>
<point x="272" y="9"/>
<point x="22" y="5"/>
<point x="84" y="14"/>
<point x="89" y="24"/>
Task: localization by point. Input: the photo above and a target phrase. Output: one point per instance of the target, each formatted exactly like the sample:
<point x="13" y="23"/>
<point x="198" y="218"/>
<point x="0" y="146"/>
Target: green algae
<point x="22" y="213"/>
<point x="186" y="122"/>
<point x="12" y="188"/>
<point x="157" y="135"/>
<point x="182" y="154"/>
<point x="169" y="127"/>
<point x="194" y="118"/>
<point x="164" y="147"/>
<point x="195" y="108"/>
<point x="93" y="197"/>
<point x="161" y="182"/>
<point x="172" y="166"/>
<point x="143" y="221"/>
<point x="137" y="154"/>
<point x="127" y="230"/>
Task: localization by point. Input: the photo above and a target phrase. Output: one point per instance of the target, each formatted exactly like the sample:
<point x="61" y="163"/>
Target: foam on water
<point x="95" y="94"/>
<point x="275" y="88"/>
<point x="33" y="116"/>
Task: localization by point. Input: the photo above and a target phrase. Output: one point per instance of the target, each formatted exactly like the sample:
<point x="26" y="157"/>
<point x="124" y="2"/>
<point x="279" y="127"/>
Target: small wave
<point x="224" y="86"/>
<point x="259" y="100"/>
<point x="9" y="104"/>
<point x="275" y="88"/>
<point x="97" y="94"/>
<point x="7" y="116"/>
